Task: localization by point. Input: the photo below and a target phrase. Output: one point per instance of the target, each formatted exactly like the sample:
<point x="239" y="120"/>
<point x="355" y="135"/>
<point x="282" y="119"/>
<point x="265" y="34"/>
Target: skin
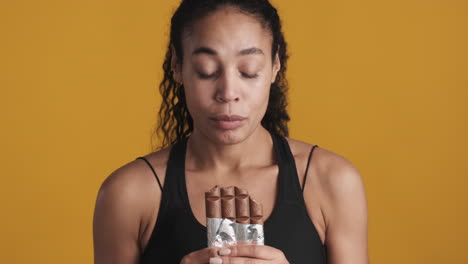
<point x="128" y="201"/>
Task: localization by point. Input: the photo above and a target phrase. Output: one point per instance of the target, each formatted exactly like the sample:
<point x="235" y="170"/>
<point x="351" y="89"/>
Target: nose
<point x="227" y="89"/>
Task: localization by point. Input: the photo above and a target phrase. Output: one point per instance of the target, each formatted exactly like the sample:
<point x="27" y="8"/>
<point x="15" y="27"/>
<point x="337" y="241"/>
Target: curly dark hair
<point x="175" y="122"/>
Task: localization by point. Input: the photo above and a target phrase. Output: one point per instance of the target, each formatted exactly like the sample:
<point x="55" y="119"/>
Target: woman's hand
<point x="249" y="254"/>
<point x="201" y="256"/>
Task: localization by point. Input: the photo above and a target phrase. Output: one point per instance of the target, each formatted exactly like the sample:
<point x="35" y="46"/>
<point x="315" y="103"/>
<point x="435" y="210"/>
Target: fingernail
<point x="224" y="251"/>
<point x="216" y="261"/>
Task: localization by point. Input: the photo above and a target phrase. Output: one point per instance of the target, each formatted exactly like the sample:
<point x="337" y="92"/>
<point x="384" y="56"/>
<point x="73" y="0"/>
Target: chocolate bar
<point x="233" y="217"/>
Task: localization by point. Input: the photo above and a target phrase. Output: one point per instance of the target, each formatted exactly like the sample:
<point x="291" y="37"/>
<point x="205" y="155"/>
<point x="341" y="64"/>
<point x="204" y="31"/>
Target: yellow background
<point x="383" y="83"/>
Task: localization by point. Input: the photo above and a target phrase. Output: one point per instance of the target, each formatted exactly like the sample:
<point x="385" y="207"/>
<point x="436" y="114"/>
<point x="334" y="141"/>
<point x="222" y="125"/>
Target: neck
<point x="205" y="154"/>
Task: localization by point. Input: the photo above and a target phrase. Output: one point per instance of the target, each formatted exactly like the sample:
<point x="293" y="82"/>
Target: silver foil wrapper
<point x="224" y="232"/>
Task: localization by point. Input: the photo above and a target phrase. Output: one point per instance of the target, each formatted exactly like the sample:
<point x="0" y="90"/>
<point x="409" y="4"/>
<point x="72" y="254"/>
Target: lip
<point x="228" y="122"/>
<point x="228" y="118"/>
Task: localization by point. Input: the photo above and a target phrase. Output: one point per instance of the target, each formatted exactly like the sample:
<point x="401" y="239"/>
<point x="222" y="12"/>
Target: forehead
<point x="227" y="30"/>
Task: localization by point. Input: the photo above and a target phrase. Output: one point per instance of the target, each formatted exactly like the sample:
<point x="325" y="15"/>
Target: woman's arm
<point x="346" y="214"/>
<point x="117" y="218"/>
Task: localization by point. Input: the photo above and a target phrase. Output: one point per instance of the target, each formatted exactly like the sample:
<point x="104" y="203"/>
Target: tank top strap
<point x="173" y="189"/>
<point x="289" y="187"/>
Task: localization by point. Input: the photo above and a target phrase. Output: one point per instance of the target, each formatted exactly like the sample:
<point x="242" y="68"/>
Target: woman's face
<point x="227" y="71"/>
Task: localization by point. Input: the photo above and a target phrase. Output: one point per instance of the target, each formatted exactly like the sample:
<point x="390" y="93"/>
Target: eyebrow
<point x="205" y="50"/>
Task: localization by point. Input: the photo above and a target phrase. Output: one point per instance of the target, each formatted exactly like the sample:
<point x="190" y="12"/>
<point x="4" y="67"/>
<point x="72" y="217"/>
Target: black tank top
<point x="289" y="228"/>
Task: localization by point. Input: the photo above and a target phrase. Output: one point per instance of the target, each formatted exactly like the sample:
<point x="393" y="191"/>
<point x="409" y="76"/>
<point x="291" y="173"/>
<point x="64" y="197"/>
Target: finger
<point x="216" y="260"/>
<point x="224" y="252"/>
<point x="255" y="251"/>
<point x="243" y="260"/>
<point x="205" y="254"/>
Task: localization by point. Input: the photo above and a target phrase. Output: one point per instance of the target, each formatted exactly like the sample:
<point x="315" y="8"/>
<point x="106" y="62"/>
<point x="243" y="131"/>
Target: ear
<point x="276" y="67"/>
<point x="175" y="67"/>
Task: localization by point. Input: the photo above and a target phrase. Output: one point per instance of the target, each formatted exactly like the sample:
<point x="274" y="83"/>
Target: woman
<point x="224" y="123"/>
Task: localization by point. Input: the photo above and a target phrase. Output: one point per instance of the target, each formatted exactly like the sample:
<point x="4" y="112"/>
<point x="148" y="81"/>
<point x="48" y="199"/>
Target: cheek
<point x="259" y="93"/>
<point x="257" y="102"/>
<point x="198" y="99"/>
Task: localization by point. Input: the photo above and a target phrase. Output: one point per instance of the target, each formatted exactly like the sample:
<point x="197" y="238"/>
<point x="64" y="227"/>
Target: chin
<point x="230" y="137"/>
<point x="227" y="137"/>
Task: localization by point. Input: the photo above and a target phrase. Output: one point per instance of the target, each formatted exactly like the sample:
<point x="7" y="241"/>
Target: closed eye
<point x="252" y="76"/>
<point x="207" y="76"/>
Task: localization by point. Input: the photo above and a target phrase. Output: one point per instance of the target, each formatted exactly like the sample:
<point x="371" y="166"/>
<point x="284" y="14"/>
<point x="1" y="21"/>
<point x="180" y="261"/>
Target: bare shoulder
<point x="334" y="190"/>
<point x="125" y="202"/>
<point x="135" y="179"/>
<point x="344" y="206"/>
<point x="332" y="170"/>
<point x="335" y="197"/>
